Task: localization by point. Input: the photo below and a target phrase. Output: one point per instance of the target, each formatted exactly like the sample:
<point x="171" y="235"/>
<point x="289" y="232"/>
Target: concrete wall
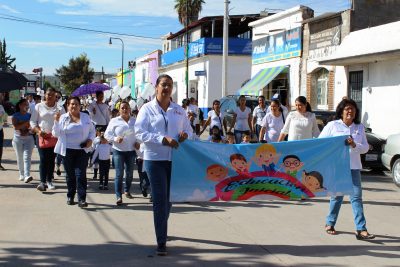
<point x="381" y="97"/>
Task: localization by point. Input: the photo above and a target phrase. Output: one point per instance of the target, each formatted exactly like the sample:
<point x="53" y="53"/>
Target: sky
<point x="37" y="45"/>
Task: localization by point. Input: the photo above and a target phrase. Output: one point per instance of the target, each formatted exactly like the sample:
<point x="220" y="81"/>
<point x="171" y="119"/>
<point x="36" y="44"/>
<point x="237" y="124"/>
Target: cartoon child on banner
<point x="240" y="164"/>
<point x="313" y="181"/>
<point x="266" y="157"/>
<point x="292" y="164"/>
<point x="216" y="172"/>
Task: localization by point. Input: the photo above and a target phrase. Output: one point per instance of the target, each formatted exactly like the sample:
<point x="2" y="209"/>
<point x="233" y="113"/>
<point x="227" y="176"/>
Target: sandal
<point x="330" y="230"/>
<point x="364" y="235"/>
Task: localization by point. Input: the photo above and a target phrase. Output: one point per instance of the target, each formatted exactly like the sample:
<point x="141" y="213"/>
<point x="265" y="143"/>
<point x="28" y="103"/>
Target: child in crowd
<point x="102" y="153"/>
<point x="216" y="138"/>
<point x="144" y="181"/>
<point x="93" y="161"/>
<point x="246" y="138"/>
<point x="215" y="131"/>
<point x="230" y="138"/>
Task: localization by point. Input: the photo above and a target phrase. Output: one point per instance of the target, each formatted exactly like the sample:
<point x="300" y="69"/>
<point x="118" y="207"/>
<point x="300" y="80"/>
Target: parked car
<point x="371" y="159"/>
<point x="229" y="103"/>
<point x="391" y="157"/>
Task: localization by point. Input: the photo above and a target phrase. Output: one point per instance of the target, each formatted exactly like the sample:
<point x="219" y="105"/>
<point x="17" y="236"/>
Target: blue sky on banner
<point x="36" y="45"/>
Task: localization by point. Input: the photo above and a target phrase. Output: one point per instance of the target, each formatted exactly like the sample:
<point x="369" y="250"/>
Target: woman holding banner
<point x="161" y="125"/>
<point x="348" y="123"/>
<point x="301" y="123"/>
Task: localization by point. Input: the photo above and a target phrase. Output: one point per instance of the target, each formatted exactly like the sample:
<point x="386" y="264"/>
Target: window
<point x="355" y="87"/>
<point x="322" y="88"/>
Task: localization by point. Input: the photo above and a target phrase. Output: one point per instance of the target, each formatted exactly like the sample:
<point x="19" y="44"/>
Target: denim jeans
<point x="1" y="144"/>
<point x="159" y="173"/>
<point x="123" y="160"/>
<point x="46" y="165"/>
<point x="356" y="204"/>
<point x="143" y="178"/>
<point x="23" y="147"/>
<point x="104" y="170"/>
<point x="75" y="164"/>
<point x="239" y="135"/>
<point x="258" y="130"/>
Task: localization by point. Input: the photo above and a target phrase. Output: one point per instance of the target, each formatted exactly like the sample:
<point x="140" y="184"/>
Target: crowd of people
<point x="80" y="135"/>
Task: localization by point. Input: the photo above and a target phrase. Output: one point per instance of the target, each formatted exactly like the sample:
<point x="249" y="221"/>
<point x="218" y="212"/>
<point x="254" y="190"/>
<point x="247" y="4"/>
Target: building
<point x="205" y="58"/>
<point x="373" y="68"/>
<point x="146" y="72"/>
<point x="276" y="55"/>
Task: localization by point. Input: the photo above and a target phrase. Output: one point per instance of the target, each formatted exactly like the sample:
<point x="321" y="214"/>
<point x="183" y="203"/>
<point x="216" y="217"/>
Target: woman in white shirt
<point x="121" y="132"/>
<point x="300" y="124"/>
<point x="348" y="123"/>
<point x="215" y="118"/>
<point x="241" y="119"/>
<point x="160" y="126"/>
<point x="2" y="115"/>
<point x="42" y="121"/>
<point x="272" y="123"/>
<point x="75" y="133"/>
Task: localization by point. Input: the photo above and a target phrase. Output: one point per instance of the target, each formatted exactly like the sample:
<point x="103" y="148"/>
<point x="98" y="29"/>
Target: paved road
<point x="40" y="229"/>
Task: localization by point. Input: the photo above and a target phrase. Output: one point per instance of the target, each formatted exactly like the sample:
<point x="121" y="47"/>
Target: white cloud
<point x="9" y="9"/>
<point x="69" y="3"/>
<point x="199" y="195"/>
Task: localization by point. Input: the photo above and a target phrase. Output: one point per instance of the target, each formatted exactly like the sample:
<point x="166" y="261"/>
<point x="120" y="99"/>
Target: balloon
<point x="133" y="104"/>
<point x="148" y="91"/>
<point x="125" y="92"/>
<point x="107" y="94"/>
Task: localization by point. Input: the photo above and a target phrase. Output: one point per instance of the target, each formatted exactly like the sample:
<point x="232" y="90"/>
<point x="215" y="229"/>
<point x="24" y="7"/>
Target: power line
<point x="37" y="22"/>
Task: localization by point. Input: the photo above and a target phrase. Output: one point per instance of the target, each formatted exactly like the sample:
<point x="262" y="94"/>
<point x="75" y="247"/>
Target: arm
<point x="142" y="126"/>
<point x="262" y="133"/>
<point x="35" y="120"/>
<point x="315" y="129"/>
<point x="208" y="121"/>
<point x="254" y="120"/>
<point x="233" y="122"/>
<point x="95" y="154"/>
<point x="362" y="146"/>
<point x="224" y="123"/>
<point x="109" y="133"/>
<point x="249" y="121"/>
<point x="285" y="129"/>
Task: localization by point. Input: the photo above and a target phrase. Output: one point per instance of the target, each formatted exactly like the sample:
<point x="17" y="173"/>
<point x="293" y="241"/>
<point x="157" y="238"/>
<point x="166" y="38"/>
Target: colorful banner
<point x="205" y="171"/>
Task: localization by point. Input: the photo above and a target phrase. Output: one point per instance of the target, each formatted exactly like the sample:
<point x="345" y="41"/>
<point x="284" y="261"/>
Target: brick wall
<point x="331" y="90"/>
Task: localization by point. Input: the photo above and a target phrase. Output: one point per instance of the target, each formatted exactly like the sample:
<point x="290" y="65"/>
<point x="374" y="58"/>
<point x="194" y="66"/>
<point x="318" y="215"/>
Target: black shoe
<point x="58" y="172"/>
<point x="128" y="195"/>
<point x="101" y="187"/>
<point x="82" y="204"/>
<point x="105" y="187"/>
<point x="70" y="201"/>
<point x="94" y="178"/>
<point x="144" y="193"/>
<point x="364" y="235"/>
<point x="161" y="250"/>
<point x="151" y="199"/>
<point x="119" y="202"/>
<point x="2" y="168"/>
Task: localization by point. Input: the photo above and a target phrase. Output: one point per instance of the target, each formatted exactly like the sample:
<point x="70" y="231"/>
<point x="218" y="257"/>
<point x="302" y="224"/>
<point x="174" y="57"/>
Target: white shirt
<point x="299" y="127"/>
<point x="118" y="127"/>
<point x="43" y="116"/>
<point x="215" y="119"/>
<point x="195" y="110"/>
<point x="153" y="124"/>
<point x="32" y="105"/>
<point x="102" y="116"/>
<point x="338" y="128"/>
<point x="285" y="111"/>
<point x="259" y="113"/>
<point x="103" y="151"/>
<point x="2" y="113"/>
<point x="242" y="119"/>
<point x="273" y="126"/>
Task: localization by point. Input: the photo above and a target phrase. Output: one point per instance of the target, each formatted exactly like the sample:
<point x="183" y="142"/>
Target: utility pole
<point x="187" y="50"/>
<point x="225" y="49"/>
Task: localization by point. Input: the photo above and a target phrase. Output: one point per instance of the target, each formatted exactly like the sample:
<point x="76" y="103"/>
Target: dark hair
<point x="215" y="127"/>
<point x="237" y="156"/>
<point x="50" y="89"/>
<point x="317" y="176"/>
<point x="216" y="137"/>
<point x="276" y="101"/>
<point x="347" y="102"/>
<point x="303" y="100"/>
<point x="291" y="157"/>
<point x="99" y="93"/>
<point x="261" y="96"/>
<point x="161" y="77"/>
<point x="216" y="101"/>
<point x="73" y="97"/>
<point x="240" y="97"/>
<point x="124" y="102"/>
<point x="230" y="133"/>
<point x="17" y="108"/>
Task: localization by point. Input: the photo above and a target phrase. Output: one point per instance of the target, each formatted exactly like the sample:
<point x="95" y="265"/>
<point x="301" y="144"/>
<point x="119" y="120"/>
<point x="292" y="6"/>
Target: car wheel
<point x="396" y="172"/>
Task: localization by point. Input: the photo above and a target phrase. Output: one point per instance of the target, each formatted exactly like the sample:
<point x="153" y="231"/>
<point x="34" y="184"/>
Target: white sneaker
<point x="51" y="186"/>
<point x="28" y="179"/>
<point x="21" y="178"/>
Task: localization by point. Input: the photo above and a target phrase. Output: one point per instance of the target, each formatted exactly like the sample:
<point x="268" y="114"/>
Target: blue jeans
<point x="356" y="204"/>
<point x="23" y="146"/>
<point x="1" y="144"/>
<point x="46" y="165"/>
<point x="159" y="173"/>
<point x="143" y="179"/>
<point x="123" y="160"/>
<point x="75" y="164"/>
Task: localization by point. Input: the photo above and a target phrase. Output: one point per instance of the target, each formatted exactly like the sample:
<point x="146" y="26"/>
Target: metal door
<point x="355" y="87"/>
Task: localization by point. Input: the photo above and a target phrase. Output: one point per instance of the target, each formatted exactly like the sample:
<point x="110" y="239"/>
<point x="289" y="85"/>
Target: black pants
<point x="104" y="169"/>
<point x="46" y="165"/>
<point x="75" y="164"/>
<point x="1" y="144"/>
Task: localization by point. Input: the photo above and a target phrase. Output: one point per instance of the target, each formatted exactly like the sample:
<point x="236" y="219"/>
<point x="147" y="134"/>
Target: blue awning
<point x="260" y="80"/>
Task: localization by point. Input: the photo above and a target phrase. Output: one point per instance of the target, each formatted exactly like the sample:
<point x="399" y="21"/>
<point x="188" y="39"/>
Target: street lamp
<point x="122" y="64"/>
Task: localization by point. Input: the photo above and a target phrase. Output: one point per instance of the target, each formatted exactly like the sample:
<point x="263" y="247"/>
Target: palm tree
<point x="190" y="7"/>
<point x="5" y="60"/>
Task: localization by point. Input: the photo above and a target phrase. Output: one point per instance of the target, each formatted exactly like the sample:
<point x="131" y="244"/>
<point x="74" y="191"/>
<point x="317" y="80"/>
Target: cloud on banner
<point x="204" y="171"/>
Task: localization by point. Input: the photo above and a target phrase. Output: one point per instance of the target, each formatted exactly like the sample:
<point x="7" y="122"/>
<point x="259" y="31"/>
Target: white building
<point x="372" y="57"/>
<point x="276" y="57"/>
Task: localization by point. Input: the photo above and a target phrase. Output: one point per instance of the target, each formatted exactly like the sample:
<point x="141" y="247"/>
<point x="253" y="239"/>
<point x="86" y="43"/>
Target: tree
<point x="193" y="9"/>
<point x="5" y="60"/>
<point x="77" y="72"/>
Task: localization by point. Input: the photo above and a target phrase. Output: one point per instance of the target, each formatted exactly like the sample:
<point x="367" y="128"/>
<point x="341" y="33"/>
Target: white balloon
<point x="148" y="91"/>
<point x="125" y="92"/>
<point x="107" y="94"/>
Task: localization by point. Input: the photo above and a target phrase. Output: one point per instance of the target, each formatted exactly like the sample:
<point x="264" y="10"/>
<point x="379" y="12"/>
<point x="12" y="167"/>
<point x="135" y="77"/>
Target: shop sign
<point x="324" y="43"/>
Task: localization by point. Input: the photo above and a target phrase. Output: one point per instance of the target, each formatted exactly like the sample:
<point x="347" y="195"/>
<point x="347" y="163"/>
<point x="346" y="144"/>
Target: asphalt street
<point x="39" y="229"/>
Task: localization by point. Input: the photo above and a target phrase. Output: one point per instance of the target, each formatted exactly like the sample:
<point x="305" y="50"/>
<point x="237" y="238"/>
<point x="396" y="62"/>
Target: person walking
<point x="102" y="152"/>
<point x="42" y="121"/>
<point x="348" y="123"/>
<point x="272" y="123"/>
<point x="75" y="133"/>
<point x="241" y="120"/>
<point x="2" y="115"/>
<point x="160" y="126"/>
<point x="215" y="118"/>
<point x="121" y="132"/>
<point x="23" y="142"/>
<point x="301" y="123"/>
<point x="99" y="112"/>
<point x="259" y="113"/>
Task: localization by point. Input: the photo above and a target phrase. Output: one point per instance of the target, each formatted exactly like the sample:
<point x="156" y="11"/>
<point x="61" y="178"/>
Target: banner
<point x="205" y="171"/>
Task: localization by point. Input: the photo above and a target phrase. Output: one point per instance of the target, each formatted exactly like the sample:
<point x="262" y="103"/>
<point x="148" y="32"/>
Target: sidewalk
<point x="40" y="229"/>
